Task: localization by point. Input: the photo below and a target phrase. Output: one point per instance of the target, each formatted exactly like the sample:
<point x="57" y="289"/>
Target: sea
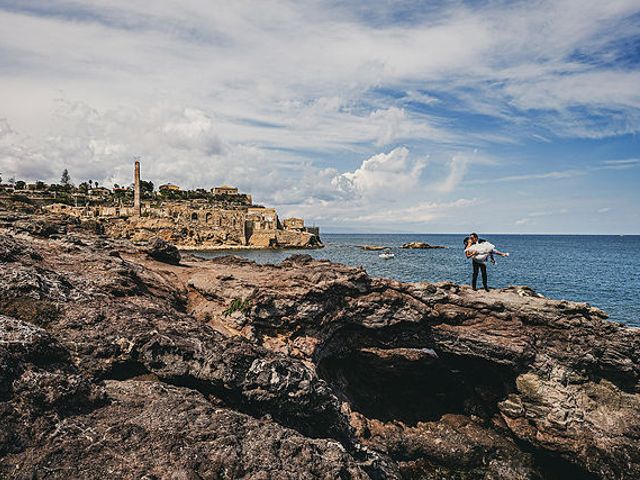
<point x="602" y="270"/>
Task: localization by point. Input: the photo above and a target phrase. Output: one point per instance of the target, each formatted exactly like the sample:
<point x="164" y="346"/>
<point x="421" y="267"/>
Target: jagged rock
<point x="367" y="336"/>
<point x="420" y="246"/>
<point x="39" y="386"/>
<point x="45" y="226"/>
<point x="153" y="430"/>
<point x="306" y="369"/>
<point x="163" y="251"/>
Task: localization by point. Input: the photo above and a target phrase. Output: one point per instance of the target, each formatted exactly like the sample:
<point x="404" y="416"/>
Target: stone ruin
<point x="227" y="219"/>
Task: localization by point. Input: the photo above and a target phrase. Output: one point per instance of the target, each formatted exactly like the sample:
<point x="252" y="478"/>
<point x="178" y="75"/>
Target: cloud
<point x="383" y="175"/>
<point x="621" y="164"/>
<point x="546" y="213"/>
<point x="421" y="213"/>
<point x="555" y="175"/>
<point x="193" y="131"/>
<point x="458" y="167"/>
<point x="390" y="121"/>
<point x="534" y="217"/>
<point x="5" y="128"/>
<point x="330" y="106"/>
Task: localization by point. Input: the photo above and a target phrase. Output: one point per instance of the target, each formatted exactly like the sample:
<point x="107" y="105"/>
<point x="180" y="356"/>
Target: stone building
<point x="169" y="187"/>
<point x="293" y="224"/>
<point x="225" y="190"/>
<point x="198" y="225"/>
<point x="227" y="218"/>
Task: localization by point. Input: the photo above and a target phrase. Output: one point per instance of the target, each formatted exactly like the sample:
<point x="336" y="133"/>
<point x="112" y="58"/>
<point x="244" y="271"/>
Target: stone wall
<point x="197" y="225"/>
<point x="186" y="228"/>
<point x="293" y="224"/>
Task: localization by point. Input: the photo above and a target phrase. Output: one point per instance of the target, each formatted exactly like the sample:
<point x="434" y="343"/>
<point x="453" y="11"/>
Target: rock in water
<point x="373" y="247"/>
<point x="163" y="251"/>
<point x="420" y="246"/>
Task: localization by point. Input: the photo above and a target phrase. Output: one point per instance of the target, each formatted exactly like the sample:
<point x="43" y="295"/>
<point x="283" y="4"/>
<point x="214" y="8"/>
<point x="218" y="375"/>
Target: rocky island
<point x="124" y="361"/>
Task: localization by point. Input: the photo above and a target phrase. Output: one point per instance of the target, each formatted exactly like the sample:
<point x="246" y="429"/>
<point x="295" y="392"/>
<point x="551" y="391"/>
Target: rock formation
<point x="420" y="246"/>
<point x="116" y="365"/>
<point x="373" y="247"/>
<point x="163" y="251"/>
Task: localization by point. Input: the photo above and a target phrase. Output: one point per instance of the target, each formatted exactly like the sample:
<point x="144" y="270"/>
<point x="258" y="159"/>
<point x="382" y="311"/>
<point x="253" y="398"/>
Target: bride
<point x="480" y="250"/>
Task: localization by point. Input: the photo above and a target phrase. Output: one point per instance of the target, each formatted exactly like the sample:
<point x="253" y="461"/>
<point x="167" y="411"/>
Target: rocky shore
<point x="124" y="362"/>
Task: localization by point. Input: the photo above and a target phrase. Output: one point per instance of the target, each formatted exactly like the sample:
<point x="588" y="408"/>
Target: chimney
<point x="137" y="209"/>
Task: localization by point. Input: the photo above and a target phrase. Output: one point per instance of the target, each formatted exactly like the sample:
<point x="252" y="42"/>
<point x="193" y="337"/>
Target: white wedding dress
<point x="482" y="251"/>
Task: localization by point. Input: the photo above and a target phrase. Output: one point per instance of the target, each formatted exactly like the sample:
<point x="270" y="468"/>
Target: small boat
<point x="387" y="255"/>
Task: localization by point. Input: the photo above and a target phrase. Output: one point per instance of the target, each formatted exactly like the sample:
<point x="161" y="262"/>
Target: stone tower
<point x="137" y="209"/>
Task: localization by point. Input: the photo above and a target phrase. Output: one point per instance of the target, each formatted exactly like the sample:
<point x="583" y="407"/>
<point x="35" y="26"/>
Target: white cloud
<point x="285" y="98"/>
<point x="390" y="121"/>
<point x="5" y="128"/>
<point x="621" y="164"/>
<point x="421" y="213"/>
<point x="555" y="175"/>
<point x="458" y="167"/>
<point x="193" y="131"/>
<point x="383" y="175"/>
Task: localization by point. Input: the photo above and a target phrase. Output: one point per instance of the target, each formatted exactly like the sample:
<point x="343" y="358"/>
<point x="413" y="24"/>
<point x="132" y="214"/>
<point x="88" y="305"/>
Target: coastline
<point x="350" y="369"/>
<point x="232" y="248"/>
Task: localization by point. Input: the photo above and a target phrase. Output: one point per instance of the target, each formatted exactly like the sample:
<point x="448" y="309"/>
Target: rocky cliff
<point x="194" y="235"/>
<point x="117" y="364"/>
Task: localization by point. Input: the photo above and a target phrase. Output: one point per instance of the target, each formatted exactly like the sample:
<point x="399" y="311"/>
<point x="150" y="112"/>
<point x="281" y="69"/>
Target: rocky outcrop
<point x="420" y="246"/>
<point x="163" y="251"/>
<point x="58" y="424"/>
<point x="410" y="358"/>
<point x="114" y="364"/>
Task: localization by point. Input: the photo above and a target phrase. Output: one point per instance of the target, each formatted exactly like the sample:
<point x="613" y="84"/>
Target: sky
<point x="360" y="116"/>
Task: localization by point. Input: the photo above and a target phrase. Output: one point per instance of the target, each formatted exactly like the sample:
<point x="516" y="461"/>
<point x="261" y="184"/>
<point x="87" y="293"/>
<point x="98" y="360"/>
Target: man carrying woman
<point x="479" y="250"/>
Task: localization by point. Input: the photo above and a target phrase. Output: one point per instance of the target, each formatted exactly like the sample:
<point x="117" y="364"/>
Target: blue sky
<point x="389" y="116"/>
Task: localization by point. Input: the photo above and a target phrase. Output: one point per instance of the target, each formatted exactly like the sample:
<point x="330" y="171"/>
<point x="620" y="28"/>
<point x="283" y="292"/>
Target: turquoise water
<point x="601" y="270"/>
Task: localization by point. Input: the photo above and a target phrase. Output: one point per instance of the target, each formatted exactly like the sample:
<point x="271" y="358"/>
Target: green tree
<point x="83" y="187"/>
<point x="146" y="187"/>
<point x="20" y="185"/>
<point x="65" y="179"/>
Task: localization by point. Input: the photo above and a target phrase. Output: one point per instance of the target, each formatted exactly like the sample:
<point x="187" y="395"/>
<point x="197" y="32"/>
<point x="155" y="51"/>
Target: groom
<point x="478" y="265"/>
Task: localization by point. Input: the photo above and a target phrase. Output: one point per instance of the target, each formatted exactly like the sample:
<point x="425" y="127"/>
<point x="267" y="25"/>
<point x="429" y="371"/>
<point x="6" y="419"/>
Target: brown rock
<point x="373" y="247"/>
<point x="420" y="246"/>
<point x="163" y="251"/>
<point x="306" y="369"/>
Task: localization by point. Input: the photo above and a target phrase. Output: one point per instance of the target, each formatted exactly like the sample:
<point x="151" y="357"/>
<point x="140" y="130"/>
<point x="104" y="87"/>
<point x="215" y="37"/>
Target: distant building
<point x="224" y="218"/>
<point x="225" y="190"/>
<point x="169" y="187"/>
